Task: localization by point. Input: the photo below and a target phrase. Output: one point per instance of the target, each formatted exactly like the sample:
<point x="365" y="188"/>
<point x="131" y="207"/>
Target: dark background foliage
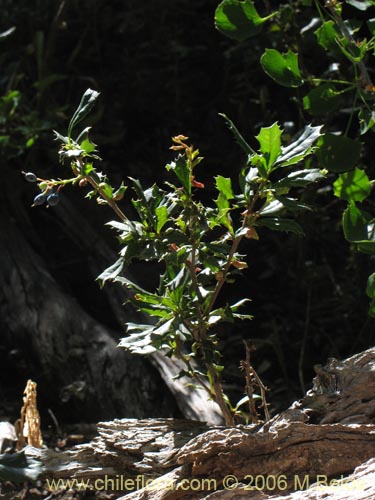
<point x="162" y="69"/>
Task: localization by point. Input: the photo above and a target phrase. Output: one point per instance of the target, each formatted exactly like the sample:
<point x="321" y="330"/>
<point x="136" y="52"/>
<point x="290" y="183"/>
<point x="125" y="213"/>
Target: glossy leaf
<point x="269" y="139"/>
<point x="283" y="68"/>
<point x="361" y="4"/>
<point x="139" y="340"/>
<point x="181" y="169"/>
<point x="87" y="102"/>
<point x="301" y="147"/>
<point x="327" y="34"/>
<point x="338" y="153"/>
<point x="111" y="272"/>
<point x="238" y="19"/>
<point x="277" y="224"/>
<point x="300" y="178"/>
<point x="224" y="185"/>
<point x="161" y="216"/>
<point x="352" y="186"/>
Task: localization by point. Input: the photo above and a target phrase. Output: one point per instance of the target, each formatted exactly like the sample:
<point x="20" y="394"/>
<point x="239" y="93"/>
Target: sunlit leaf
<point x="352" y="186"/>
<point x="283" y="68"/>
<point x="224" y="185"/>
<point x="161" y="216"/>
<point x="238" y="19"/>
<point x="269" y="139"/>
<point x="301" y="147"/>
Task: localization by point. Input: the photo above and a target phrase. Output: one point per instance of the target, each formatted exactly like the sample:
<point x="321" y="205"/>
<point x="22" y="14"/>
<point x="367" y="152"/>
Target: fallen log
<point x="323" y="446"/>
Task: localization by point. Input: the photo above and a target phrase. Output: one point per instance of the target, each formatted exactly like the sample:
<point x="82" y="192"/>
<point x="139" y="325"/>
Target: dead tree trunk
<point x="48" y="336"/>
<point x="323" y="446"/>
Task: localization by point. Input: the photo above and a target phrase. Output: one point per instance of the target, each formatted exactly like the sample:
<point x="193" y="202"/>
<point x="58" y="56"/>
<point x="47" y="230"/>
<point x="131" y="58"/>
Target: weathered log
<point x="126" y="447"/>
<point x="291" y="452"/>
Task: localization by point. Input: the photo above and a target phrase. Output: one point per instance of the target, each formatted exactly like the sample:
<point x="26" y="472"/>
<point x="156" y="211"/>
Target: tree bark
<point x="48" y="336"/>
<point x="323" y="446"/>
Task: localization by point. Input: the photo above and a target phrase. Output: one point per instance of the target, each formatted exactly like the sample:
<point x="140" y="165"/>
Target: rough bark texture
<point x="328" y="434"/>
<point x="71" y="355"/>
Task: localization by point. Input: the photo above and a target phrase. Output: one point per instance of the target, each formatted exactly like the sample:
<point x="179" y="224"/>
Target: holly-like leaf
<point x="283" y="68"/>
<point x="352" y="186"/>
<point x="300" y="178"/>
<point x="139" y="340"/>
<point x="361" y="4"/>
<point x="161" y="217"/>
<point x="224" y="186"/>
<point x="181" y="168"/>
<point x="327" y="35"/>
<point x="300" y="148"/>
<point x="85" y="106"/>
<point x="238" y="19"/>
<point x="269" y="139"/>
<point x="111" y="272"/>
<point x="238" y="136"/>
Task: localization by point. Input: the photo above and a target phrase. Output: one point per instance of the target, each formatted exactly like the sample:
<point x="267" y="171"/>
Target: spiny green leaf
<point x="283" y="68"/>
<point x="139" y="340"/>
<point x="85" y="106"/>
<point x="352" y="186"/>
<point x="361" y="4"/>
<point x="327" y="35"/>
<point x="87" y="146"/>
<point x="269" y="139"/>
<point x="181" y="168"/>
<point x="301" y="147"/>
<point x="224" y="185"/>
<point x="161" y="217"/>
<point x="111" y="272"/>
<point x="238" y="136"/>
<point x="300" y="178"/>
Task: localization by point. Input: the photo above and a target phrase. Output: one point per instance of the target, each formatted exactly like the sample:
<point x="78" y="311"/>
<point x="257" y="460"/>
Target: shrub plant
<point x="196" y="241"/>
